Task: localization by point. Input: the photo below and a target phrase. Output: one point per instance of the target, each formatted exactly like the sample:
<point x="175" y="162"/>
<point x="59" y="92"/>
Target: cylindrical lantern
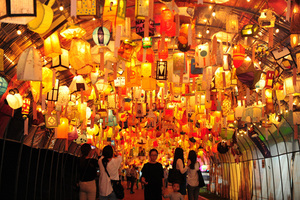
<point x="52" y="46"/>
<point x="80" y="56"/>
<point x="3" y="85"/>
<point x="14" y="99"/>
<point x="29" y="67"/>
<point x="238" y="55"/>
<point x="101" y="36"/>
<point x="26" y="106"/>
<point x="63" y="128"/>
<point x="61" y="62"/>
<point x="295" y="18"/>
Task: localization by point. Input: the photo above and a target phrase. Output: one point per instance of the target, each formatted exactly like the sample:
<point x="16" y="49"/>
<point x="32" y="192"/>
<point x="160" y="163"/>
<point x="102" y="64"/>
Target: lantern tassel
<point x="26" y="126"/>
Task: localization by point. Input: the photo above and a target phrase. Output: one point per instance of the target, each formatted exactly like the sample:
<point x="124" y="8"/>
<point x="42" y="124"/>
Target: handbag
<point x="117" y="186"/>
<point x="200" y="178"/>
<point x="175" y="175"/>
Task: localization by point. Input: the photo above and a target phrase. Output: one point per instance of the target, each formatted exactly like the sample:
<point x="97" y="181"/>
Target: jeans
<point x="193" y="192"/>
<point x="111" y="196"/>
<point x="87" y="190"/>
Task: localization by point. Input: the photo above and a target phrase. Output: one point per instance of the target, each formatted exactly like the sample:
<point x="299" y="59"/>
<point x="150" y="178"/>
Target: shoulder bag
<point x="117" y="186"/>
<point x="200" y="178"/>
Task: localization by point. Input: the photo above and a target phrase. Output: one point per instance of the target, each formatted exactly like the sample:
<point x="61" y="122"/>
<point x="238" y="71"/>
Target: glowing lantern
<point x="146" y="69"/>
<point x="63" y="95"/>
<point x="232" y="24"/>
<point x="147" y="42"/>
<point x="161" y="70"/>
<point x="44" y="17"/>
<point x="82" y="111"/>
<point x="101" y="36"/>
<point x="163" y="54"/>
<point x="101" y="85"/>
<point x="72" y="31"/>
<point x="250" y="30"/>
<point x="283" y="57"/>
<point x="61" y="62"/>
<point x="3" y="85"/>
<point x="93" y="131"/>
<point x="14" y="99"/>
<point x="150" y="56"/>
<point x="51" y="121"/>
<point x="238" y="55"/>
<point x="148" y="84"/>
<point x="1" y="60"/>
<point x="46" y="84"/>
<point x="239" y="110"/>
<point x="29" y="67"/>
<point x="26" y="107"/>
<point x="220" y="83"/>
<point x="267" y="18"/>
<point x="178" y="63"/>
<point x="295" y="40"/>
<point x="269" y="79"/>
<point x="63" y="128"/>
<point x="52" y="46"/>
<point x="112" y="120"/>
<point x="202" y="56"/>
<point x="17" y="12"/>
<point x="80" y="56"/>
<point x="73" y="133"/>
<point x="167" y="24"/>
<point x="88" y="9"/>
<point x="289" y="87"/>
<point x="295" y="18"/>
<point x="125" y="50"/>
<point x="141" y="9"/>
<point x="78" y="84"/>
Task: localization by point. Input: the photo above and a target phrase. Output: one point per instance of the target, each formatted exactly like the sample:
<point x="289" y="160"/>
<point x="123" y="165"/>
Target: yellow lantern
<point x="220" y="83"/>
<point x="44" y="18"/>
<point x="61" y="62"/>
<point x="148" y="84"/>
<point x="295" y="40"/>
<point x="267" y="18"/>
<point x="46" y="84"/>
<point x="239" y="110"/>
<point x="93" y="131"/>
<point x="63" y="95"/>
<point x="82" y="111"/>
<point x="63" y="128"/>
<point x="72" y="31"/>
<point x="17" y="12"/>
<point x="146" y="69"/>
<point x="80" y="56"/>
<point x="52" y="46"/>
<point x="78" y="84"/>
<point x="88" y="9"/>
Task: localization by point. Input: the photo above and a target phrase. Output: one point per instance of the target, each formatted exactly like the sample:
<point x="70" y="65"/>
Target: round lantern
<point x="3" y="85"/>
<point x="93" y="131"/>
<point x="101" y="36"/>
<point x="238" y="55"/>
<point x="14" y="99"/>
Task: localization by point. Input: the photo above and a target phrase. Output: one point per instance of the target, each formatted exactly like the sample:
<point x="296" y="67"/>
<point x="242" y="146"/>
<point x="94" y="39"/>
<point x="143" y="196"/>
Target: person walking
<point x="133" y="178"/>
<point x="128" y="177"/>
<point x="108" y="165"/>
<point x="87" y="172"/>
<point x="153" y="177"/>
<point x="178" y="163"/>
<point x="192" y="176"/>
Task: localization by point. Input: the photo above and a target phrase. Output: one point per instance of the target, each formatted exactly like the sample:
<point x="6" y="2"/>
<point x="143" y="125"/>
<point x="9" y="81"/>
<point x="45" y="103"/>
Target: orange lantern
<point x="80" y="56"/>
<point x="52" y="46"/>
<point x="238" y="55"/>
<point x="163" y="54"/>
<point x="63" y="128"/>
<point x="295" y="40"/>
<point x="150" y="57"/>
<point x="167" y="24"/>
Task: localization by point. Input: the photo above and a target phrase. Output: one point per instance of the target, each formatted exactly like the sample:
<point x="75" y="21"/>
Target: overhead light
<point x="210" y="7"/>
<point x="213" y="14"/>
<point x="248" y="0"/>
<point x="19" y="32"/>
<point x="207" y="31"/>
<point x="277" y="30"/>
<point x="61" y="8"/>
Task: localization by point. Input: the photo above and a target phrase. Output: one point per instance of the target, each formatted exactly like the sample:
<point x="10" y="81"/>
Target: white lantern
<point x="289" y="87"/>
<point x="14" y="99"/>
<point x="63" y="95"/>
<point x="78" y="84"/>
<point x="239" y="110"/>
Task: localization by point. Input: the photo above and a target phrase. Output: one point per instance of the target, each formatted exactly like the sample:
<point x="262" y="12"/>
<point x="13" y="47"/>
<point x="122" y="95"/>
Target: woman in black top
<point x="153" y="177"/>
<point x="87" y="173"/>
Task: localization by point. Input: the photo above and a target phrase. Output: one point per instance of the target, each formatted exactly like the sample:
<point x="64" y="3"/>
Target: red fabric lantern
<point x="167" y="24"/>
<point x="149" y="55"/>
<point x="238" y="55"/>
<point x="164" y="53"/>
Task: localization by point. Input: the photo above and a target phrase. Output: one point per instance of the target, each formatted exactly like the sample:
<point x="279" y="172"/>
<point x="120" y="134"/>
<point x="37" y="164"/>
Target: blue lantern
<point x="3" y="85"/>
<point x="101" y="36"/>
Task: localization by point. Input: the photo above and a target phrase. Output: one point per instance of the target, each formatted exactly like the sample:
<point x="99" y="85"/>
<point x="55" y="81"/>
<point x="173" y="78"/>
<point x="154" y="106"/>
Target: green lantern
<point x="147" y="42"/>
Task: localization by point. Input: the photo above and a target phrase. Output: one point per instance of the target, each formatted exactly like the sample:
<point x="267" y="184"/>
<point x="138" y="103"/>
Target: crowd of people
<point x="153" y="177"/>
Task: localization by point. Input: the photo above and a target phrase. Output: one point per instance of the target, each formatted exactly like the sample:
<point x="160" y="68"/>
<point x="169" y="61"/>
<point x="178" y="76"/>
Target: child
<point x="175" y="195"/>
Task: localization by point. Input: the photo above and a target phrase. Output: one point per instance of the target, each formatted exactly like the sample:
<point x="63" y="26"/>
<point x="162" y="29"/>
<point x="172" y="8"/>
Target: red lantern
<point x="167" y="24"/>
<point x="269" y="79"/>
<point x="163" y="54"/>
<point x="149" y="55"/>
<point x="26" y="106"/>
<point x="238" y="55"/>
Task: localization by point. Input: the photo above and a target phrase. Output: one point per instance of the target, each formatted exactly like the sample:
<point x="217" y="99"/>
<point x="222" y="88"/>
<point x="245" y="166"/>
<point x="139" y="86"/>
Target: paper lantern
<point x="125" y="50"/>
<point x="150" y="56"/>
<point x="89" y="9"/>
<point x="82" y="111"/>
<point x="94" y="130"/>
<point x="148" y="84"/>
<point x="294" y="40"/>
<point x="269" y="79"/>
<point x="72" y="31"/>
<point x="3" y="85"/>
<point x="220" y="83"/>
<point x="61" y="62"/>
<point x="14" y="99"/>
<point x="289" y="87"/>
<point x="53" y="94"/>
<point x="164" y="53"/>
<point x="146" y="69"/>
<point x="51" y="121"/>
<point x="250" y="30"/>
<point x="63" y="95"/>
<point x="238" y="55"/>
<point x="43" y="20"/>
<point x="179" y="63"/>
<point x="183" y="44"/>
<point x="202" y="56"/>
<point x="141" y="9"/>
<point x="52" y="46"/>
<point x="17" y="12"/>
<point x="29" y="67"/>
<point x="140" y="27"/>
<point x="1" y="60"/>
<point x="283" y="57"/>
<point x="112" y="120"/>
<point x="239" y="110"/>
<point x="295" y="18"/>
<point x="267" y="18"/>
<point x="46" y="84"/>
<point x="80" y="56"/>
<point x="147" y="42"/>
<point x="232" y="24"/>
<point x="63" y="128"/>
<point x="26" y="106"/>
<point x="78" y="84"/>
<point x="101" y="36"/>
<point x="167" y="24"/>
<point x="161" y="70"/>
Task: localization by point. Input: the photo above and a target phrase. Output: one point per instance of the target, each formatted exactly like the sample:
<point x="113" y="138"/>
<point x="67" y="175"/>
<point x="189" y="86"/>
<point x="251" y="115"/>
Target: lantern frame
<point x="53" y="94"/>
<point x="51" y="121"/>
<point x="282" y="56"/>
<point x="249" y="30"/>
<point x="161" y="74"/>
<point x="61" y="62"/>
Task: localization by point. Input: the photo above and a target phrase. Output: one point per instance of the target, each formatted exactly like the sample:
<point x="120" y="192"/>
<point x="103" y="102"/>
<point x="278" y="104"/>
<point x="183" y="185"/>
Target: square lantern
<point x="289" y="87"/>
<point x="53" y="94"/>
<point x="161" y="70"/>
<point x="17" y="12"/>
<point x="269" y="79"/>
<point x="140" y="27"/>
<point x="1" y="60"/>
<point x="51" y="121"/>
<point x="232" y="24"/>
<point x="146" y="69"/>
<point x="141" y="8"/>
<point x="52" y="45"/>
<point x="88" y="9"/>
<point x="249" y="30"/>
<point x="61" y="62"/>
<point x="283" y="57"/>
<point x="267" y="18"/>
<point x="295" y="40"/>
<point x="179" y="63"/>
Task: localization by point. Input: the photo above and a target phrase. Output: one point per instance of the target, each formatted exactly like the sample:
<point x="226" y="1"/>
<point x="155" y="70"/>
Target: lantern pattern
<point x="125" y="50"/>
<point x="140" y="27"/>
<point x="26" y="106"/>
<point x="146" y="69"/>
<point x="101" y="36"/>
<point x="80" y="56"/>
<point x="161" y="70"/>
<point x="232" y="24"/>
<point x="88" y="9"/>
<point x="220" y="75"/>
<point x="63" y="95"/>
<point x="249" y="30"/>
<point x="14" y="99"/>
<point x="147" y="42"/>
<point x="61" y="62"/>
<point x="110" y="10"/>
<point x="267" y="18"/>
<point x="3" y="85"/>
<point x="238" y="55"/>
<point x="51" y="121"/>
<point x="72" y="31"/>
<point x="141" y="9"/>
<point x="17" y="13"/>
<point x="29" y="67"/>
<point x="179" y="63"/>
<point x="63" y="128"/>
